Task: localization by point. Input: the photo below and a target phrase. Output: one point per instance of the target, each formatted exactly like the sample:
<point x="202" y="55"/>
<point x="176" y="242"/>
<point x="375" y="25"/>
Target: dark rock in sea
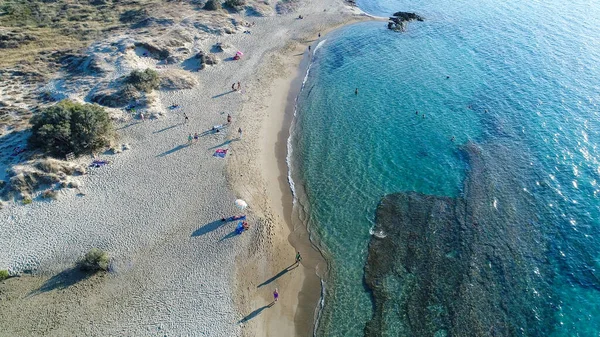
<point x="475" y="265"/>
<point x="399" y="20"/>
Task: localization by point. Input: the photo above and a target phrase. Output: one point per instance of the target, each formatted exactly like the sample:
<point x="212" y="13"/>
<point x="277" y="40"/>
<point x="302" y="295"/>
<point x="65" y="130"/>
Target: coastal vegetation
<point x="145" y="81"/>
<point x="213" y="5"/>
<point x="35" y="28"/>
<point x="235" y="4"/>
<point x="71" y="127"/>
<point x="95" y="260"/>
<point x="4" y="275"/>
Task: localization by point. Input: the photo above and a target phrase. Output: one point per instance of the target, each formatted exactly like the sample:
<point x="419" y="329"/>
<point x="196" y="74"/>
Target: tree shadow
<point x="167" y="128"/>
<point x="62" y="280"/>
<point x="255" y="313"/>
<point x="175" y="149"/>
<point x="280" y="274"/>
<point x="209" y="227"/>
<point x="223" y="94"/>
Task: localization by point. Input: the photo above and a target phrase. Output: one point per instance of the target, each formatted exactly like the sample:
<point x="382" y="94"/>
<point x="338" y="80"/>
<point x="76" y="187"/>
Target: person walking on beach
<point x="275" y="296"/>
<point x="298" y="258"/>
<point x="319" y="35"/>
<point x="186" y="119"/>
<point x="240" y="133"/>
<point x="308" y="47"/>
<point x="239" y="86"/>
<point x="233" y="87"/>
<point x="142" y="117"/>
<point x="190" y="139"/>
<point x="228" y="119"/>
<point x="196" y="137"/>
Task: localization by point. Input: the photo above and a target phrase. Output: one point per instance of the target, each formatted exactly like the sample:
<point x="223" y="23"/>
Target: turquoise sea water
<point x="524" y="76"/>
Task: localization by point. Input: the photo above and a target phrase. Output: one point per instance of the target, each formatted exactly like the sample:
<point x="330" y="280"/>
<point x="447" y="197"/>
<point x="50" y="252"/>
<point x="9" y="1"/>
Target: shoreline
<point x="300" y="288"/>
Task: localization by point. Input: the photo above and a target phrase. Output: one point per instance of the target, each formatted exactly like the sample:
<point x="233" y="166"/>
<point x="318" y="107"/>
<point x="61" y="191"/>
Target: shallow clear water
<point x="523" y="75"/>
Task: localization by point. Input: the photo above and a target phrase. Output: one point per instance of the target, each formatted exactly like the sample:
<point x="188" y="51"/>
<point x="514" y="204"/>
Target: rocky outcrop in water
<point x="467" y="266"/>
<point x="399" y="20"/>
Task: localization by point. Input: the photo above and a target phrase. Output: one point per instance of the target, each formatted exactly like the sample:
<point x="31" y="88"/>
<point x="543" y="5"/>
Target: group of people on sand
<point x="214" y="129"/>
<point x="276" y="292"/>
<point x="236" y="86"/>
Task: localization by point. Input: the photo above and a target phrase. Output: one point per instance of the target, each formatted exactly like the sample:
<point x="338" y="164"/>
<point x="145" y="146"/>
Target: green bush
<point x="145" y="81"/>
<point x="71" y="127"/>
<point x="4" y="275"/>
<point x="235" y="3"/>
<point x="27" y="201"/>
<point x="95" y="260"/>
<point x="212" y="5"/>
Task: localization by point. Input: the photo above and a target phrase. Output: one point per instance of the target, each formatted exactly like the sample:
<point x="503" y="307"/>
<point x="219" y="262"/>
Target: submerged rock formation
<point x="468" y="266"/>
<point x="399" y="20"/>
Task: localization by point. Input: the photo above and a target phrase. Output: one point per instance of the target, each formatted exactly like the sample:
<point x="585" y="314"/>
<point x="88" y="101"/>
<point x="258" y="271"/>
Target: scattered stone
<point x="74" y="184"/>
<point x="156" y="51"/>
<point x="220" y="47"/>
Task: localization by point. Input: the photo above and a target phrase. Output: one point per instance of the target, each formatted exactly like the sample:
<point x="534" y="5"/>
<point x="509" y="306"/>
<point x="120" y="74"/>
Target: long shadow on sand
<point x="254" y="313"/>
<point x="175" y="149"/>
<point x="167" y="128"/>
<point x="62" y="280"/>
<point x="209" y="227"/>
<point x="223" y="94"/>
<point x="280" y="274"/>
<point x="229" y="236"/>
<point x="129" y="125"/>
<point x="225" y="143"/>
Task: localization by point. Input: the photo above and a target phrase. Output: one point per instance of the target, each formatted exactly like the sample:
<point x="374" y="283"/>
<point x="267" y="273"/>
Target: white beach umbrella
<point x="241" y="204"/>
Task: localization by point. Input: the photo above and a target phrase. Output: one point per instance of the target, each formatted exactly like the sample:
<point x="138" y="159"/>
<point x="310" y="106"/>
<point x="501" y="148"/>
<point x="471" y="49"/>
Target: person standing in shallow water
<point x="356" y="91"/>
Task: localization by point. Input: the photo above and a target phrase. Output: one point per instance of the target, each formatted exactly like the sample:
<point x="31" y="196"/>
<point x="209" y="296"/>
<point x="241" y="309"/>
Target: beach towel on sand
<point x="220" y="153"/>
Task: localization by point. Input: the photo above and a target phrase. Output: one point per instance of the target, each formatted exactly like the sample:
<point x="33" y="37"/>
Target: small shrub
<point x="4" y="275"/>
<point x="27" y="201"/>
<point x="213" y="5"/>
<point x="95" y="260"/>
<point x="50" y="194"/>
<point x="71" y="127"/>
<point x="133" y="15"/>
<point x="145" y="81"/>
<point x="235" y="3"/>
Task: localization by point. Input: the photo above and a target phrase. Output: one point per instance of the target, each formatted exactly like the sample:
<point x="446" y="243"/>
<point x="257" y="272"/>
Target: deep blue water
<point x="523" y="75"/>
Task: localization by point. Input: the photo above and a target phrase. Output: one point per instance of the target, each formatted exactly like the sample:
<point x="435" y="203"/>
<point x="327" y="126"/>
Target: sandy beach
<point x="176" y="268"/>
